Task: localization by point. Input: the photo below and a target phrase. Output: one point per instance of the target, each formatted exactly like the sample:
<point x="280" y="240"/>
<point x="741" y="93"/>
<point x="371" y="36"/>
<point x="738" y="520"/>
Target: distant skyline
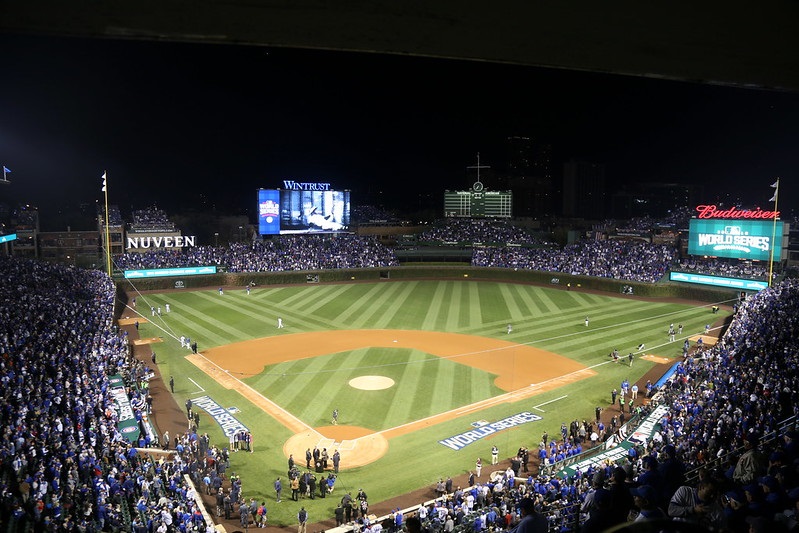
<point x="202" y="126"/>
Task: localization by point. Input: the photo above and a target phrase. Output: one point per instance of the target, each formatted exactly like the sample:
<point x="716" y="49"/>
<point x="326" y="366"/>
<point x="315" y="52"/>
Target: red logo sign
<point x="711" y="211"/>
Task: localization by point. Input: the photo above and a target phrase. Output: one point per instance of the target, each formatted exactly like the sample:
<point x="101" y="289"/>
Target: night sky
<point x="203" y="126"/>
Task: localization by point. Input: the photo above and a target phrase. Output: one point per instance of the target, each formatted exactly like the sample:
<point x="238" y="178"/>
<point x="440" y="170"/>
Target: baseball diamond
<point x="406" y="364"/>
<point x="516" y="376"/>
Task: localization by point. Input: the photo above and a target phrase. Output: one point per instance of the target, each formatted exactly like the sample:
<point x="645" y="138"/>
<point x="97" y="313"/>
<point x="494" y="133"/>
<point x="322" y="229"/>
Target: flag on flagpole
<point x="6" y="170"/>
<point x="104" y="188"/>
<point x="776" y="187"/>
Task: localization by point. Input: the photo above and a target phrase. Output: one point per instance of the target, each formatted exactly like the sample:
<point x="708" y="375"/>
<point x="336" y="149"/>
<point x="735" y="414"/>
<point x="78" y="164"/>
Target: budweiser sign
<point x="711" y="211"/>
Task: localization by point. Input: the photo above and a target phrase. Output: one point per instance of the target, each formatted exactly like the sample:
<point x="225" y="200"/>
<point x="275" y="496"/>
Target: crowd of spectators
<point x="151" y="219"/>
<point x="369" y="214"/>
<point x="114" y="216"/>
<point x="307" y="252"/>
<point x="26" y="218"/>
<point x="471" y="230"/>
<point x="720" y="267"/>
<point x="725" y="457"/>
<point x="619" y="259"/>
<point x="676" y="219"/>
<point x="64" y="465"/>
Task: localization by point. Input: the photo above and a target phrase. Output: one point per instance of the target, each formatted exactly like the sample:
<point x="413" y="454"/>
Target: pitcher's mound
<point x="357" y="446"/>
<point x="371" y="383"/>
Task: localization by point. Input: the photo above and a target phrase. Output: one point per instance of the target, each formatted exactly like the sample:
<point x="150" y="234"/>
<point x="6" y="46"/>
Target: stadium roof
<point x="730" y="43"/>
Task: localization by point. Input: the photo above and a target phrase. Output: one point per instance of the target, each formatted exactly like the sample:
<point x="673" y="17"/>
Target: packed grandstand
<point x="727" y="453"/>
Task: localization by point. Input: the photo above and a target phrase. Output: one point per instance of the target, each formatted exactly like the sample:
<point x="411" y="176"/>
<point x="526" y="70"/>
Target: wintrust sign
<point x="292" y="185"/>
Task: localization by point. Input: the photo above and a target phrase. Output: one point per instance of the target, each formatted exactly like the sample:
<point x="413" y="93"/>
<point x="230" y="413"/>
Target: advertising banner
<point x="735" y="238"/>
<point x="127" y="424"/>
<point x="164" y="272"/>
<point x="719" y="281"/>
<point x="268" y="212"/>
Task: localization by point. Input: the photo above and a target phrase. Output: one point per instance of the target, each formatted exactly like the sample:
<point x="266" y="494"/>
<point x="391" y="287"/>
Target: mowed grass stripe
<point x="268" y="312"/>
<point x="238" y="307"/>
<point x="454" y="310"/>
<point x="425" y="396"/>
<point x="286" y="383"/>
<point x="410" y="383"/>
<point x="288" y="297"/>
<point x="464" y="313"/>
<point x="437" y="380"/>
<point x="576" y="317"/>
<point x="331" y="300"/>
<point x="202" y="325"/>
<point x="514" y="312"/>
<point x="621" y="330"/>
<point x="359" y="311"/>
<point x="583" y="299"/>
<point x="434" y="308"/>
<point x="518" y="291"/>
<point x="410" y="315"/>
<point x="545" y="298"/>
<point x="402" y="300"/>
<point x="310" y="379"/>
<point x="323" y="296"/>
<point x="475" y="306"/>
<point x="540" y="325"/>
<point x="536" y="306"/>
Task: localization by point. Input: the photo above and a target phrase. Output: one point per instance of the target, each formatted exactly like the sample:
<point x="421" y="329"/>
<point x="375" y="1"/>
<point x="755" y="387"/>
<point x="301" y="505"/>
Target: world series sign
<point x="457" y="442"/>
<point x="736" y="238"/>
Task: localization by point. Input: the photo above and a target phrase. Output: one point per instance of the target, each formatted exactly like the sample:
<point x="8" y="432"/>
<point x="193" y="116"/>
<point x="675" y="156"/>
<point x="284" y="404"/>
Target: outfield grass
<point x="548" y="318"/>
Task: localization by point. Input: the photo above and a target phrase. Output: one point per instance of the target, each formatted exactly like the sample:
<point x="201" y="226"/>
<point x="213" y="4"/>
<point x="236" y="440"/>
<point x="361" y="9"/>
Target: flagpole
<point x="107" y="229"/>
<point x="773" y="231"/>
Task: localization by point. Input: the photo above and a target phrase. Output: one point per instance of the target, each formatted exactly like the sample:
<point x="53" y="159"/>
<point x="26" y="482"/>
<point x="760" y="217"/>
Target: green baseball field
<point x="426" y="376"/>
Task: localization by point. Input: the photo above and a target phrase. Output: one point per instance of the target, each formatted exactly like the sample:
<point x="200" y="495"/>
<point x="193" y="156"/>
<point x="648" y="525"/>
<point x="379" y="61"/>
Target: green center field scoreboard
<point x="478" y="203"/>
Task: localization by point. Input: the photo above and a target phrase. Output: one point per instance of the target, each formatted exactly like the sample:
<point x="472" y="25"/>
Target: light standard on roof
<point x="216" y="238"/>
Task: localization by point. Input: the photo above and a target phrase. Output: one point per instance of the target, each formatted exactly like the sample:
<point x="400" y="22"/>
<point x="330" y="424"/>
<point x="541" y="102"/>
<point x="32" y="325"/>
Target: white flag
<point x="775" y="184"/>
<point x="103" y="189"/>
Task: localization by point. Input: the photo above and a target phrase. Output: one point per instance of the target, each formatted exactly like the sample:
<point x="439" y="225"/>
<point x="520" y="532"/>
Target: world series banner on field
<point x="464" y="439"/>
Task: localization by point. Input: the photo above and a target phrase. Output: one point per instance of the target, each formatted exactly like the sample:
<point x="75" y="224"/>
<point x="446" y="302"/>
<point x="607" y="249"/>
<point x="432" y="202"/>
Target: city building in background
<point x="584" y="193"/>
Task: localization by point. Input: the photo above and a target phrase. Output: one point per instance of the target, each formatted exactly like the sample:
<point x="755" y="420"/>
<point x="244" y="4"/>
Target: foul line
<point x="281" y="415"/>
<point x="538" y="407"/>
<point x="197" y="384"/>
<point x="508" y="397"/>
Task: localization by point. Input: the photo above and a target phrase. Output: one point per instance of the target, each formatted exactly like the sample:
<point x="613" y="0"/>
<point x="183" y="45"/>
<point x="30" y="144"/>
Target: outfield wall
<point x="554" y="280"/>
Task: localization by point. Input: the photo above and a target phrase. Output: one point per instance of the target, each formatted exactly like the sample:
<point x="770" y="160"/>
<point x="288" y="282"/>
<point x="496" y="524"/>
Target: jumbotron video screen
<point x="282" y="211"/>
<point x="736" y="238"/>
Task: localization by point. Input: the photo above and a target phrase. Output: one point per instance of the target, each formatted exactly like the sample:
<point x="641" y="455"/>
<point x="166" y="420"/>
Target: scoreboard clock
<point x="478" y="203"/>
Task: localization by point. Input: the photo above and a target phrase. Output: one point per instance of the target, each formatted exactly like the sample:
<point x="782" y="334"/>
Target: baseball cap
<point x="753" y="489"/>
<point x="646" y="492"/>
<point x="770" y="482"/>
<point x="602" y="496"/>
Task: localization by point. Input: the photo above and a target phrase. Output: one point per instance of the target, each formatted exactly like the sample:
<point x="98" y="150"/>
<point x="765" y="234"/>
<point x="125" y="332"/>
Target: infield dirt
<point x="522" y="371"/>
